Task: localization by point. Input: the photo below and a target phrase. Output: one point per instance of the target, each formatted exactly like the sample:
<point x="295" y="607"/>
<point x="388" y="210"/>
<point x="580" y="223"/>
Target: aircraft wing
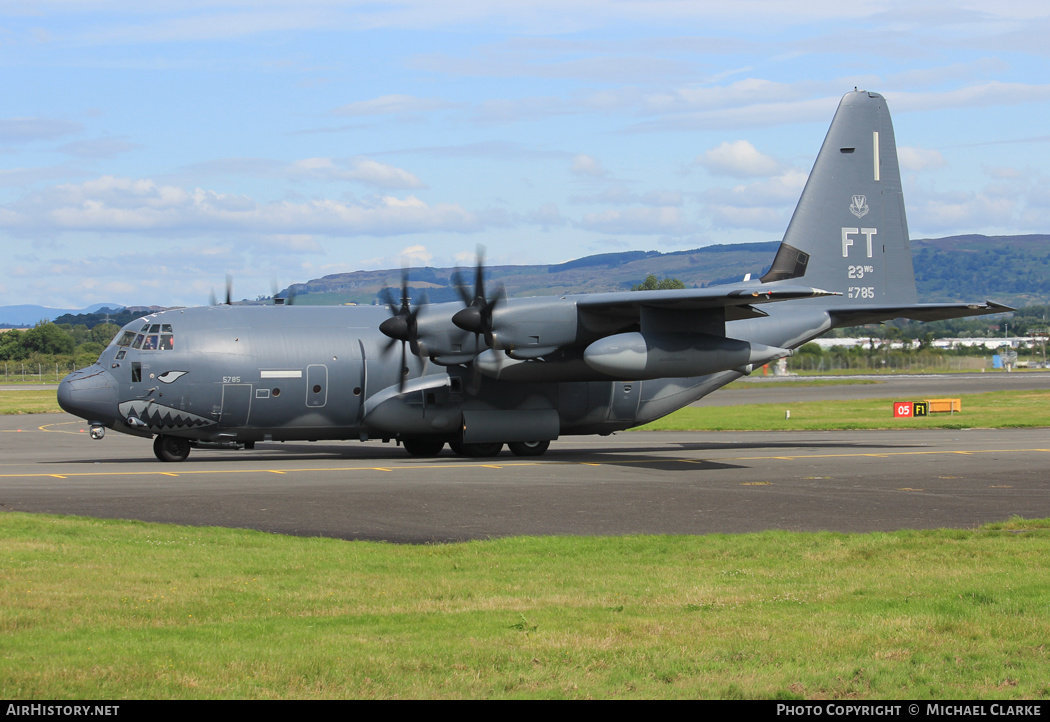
<point x="738" y="302"/>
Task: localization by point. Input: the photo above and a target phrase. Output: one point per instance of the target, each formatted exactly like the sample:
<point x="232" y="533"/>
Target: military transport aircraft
<point x="518" y="371"/>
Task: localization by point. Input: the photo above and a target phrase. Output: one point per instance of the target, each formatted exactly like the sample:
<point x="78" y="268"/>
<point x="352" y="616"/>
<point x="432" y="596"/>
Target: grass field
<point x="29" y="401"/>
<point x="116" y="610"/>
<point x="986" y="410"/>
<point x="994" y="409"/>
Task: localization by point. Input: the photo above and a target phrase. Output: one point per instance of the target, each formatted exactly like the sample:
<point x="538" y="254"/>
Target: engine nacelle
<point x="533" y="323"/>
<point x="637" y="356"/>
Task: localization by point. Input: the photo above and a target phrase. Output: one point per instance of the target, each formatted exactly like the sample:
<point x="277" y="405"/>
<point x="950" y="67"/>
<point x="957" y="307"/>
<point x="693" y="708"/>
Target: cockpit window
<point x="152" y="337"/>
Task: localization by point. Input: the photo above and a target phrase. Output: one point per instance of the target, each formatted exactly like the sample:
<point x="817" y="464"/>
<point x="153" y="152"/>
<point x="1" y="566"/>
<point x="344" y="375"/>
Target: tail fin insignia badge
<point x="859" y="207"/>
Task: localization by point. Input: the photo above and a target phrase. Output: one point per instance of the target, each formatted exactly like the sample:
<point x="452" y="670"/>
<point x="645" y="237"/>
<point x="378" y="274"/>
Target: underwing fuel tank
<point x="641" y="356"/>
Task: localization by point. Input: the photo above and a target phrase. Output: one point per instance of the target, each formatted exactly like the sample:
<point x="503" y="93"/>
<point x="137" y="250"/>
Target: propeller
<point x="403" y="325"/>
<point x="289" y="298"/>
<point x="477" y="316"/>
<point x="229" y="293"/>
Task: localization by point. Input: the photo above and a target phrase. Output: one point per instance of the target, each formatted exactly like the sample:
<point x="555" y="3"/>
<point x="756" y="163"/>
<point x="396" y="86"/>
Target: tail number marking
<point x="859" y="271"/>
<point x="847" y="242"/>
<point x="861" y="292"/>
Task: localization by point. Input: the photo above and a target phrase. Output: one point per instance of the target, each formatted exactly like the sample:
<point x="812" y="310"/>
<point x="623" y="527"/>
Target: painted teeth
<point x="160" y="417"/>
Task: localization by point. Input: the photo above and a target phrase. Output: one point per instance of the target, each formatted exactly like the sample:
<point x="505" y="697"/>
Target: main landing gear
<point x="171" y="448"/>
<point x="428" y="448"/>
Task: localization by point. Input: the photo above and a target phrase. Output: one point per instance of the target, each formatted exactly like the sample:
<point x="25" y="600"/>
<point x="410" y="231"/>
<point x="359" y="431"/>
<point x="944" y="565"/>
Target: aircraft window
<point x="136" y="372"/>
<point x="138" y="341"/>
<point x="144" y="329"/>
<point x="165" y="328"/>
<point x="167" y="342"/>
<point x="151" y="344"/>
<point x="155" y="328"/>
<point x="126" y="339"/>
<point x="121" y="353"/>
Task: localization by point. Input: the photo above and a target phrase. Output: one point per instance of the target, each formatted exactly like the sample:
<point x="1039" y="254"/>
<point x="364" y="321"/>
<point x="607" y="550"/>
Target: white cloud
<point x="638" y="221"/>
<point x="357" y="169"/>
<point x="963" y="212"/>
<point x="739" y="159"/>
<point x="1003" y="172"/>
<point x="417" y="254"/>
<point x="620" y="195"/>
<point x="546" y="215"/>
<point x="919" y="159"/>
<point x="764" y="205"/>
<point x="758" y="218"/>
<point x="123" y="204"/>
<point x="363" y="170"/>
<point x="97" y="148"/>
<point x="390" y="105"/>
<point x="25" y="130"/>
<point x="587" y="165"/>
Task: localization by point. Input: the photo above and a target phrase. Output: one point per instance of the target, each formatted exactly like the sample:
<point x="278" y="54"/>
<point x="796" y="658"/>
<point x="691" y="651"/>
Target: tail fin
<point x="849" y="232"/>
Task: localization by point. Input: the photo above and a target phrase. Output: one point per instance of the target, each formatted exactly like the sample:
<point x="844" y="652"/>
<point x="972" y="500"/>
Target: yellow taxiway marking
<point x="189" y="471"/>
<point x="46" y="427"/>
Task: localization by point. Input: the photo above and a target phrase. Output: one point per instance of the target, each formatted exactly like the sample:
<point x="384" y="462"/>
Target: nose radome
<point x="91" y="394"/>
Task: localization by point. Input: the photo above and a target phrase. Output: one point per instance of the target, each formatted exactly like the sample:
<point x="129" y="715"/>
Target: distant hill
<point x="603" y="272"/>
<point x="1010" y="269"/>
<point x="29" y="315"/>
<point x="1014" y="270"/>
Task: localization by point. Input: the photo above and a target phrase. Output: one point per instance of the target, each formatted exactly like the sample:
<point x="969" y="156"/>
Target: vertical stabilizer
<point x="849" y="232"/>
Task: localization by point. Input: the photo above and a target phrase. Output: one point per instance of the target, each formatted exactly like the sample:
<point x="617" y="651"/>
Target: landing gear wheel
<point x="528" y="448"/>
<point x="171" y="448"/>
<point x="423" y="447"/>
<point x="479" y="450"/>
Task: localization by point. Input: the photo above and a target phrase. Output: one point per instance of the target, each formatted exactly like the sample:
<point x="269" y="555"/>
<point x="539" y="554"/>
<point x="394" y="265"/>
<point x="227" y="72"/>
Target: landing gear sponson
<point x="175" y="448"/>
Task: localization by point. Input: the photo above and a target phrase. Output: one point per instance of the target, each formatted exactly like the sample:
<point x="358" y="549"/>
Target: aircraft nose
<point x="91" y="394"/>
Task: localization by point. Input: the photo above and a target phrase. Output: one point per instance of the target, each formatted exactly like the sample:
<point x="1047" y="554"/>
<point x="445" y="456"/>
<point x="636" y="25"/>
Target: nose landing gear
<point x="171" y="448"/>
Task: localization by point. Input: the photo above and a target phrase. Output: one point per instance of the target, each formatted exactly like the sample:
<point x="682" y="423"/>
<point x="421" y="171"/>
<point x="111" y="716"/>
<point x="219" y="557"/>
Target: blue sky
<point x="148" y="149"/>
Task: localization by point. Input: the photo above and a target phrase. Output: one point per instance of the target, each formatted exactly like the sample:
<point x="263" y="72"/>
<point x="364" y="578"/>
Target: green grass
<point x="741" y="384"/>
<point x="996" y="409"/>
<point x="29" y="401"/>
<point x="118" y="609"/>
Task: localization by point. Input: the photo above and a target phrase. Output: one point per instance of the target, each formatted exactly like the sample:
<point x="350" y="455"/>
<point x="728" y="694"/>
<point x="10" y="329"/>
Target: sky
<point x="148" y="149"/>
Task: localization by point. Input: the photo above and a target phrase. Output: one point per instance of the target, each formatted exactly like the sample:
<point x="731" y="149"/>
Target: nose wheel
<point x="171" y="448"/>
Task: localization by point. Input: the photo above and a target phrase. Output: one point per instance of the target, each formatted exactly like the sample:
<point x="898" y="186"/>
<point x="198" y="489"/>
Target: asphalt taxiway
<point x="629" y="483"/>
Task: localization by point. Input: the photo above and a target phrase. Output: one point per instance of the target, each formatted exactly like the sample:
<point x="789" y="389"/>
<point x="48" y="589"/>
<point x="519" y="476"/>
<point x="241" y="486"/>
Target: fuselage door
<point x="316" y="385"/>
<point x="236" y="403"/>
<point x="624" y="402"/>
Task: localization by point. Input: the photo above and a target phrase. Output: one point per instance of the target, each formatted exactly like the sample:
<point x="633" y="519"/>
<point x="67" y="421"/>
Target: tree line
<point x="64" y="344"/>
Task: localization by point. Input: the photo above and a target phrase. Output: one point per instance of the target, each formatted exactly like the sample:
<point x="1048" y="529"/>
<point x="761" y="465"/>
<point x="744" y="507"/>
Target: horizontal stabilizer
<point x="859" y="315"/>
